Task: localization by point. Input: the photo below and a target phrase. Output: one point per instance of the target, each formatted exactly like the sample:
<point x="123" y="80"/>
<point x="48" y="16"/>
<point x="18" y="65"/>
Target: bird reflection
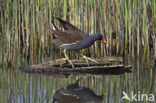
<point x="75" y="94"/>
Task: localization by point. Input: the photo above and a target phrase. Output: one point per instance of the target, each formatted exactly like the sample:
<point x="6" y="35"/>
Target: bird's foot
<point x="87" y="58"/>
<point x="70" y="63"/>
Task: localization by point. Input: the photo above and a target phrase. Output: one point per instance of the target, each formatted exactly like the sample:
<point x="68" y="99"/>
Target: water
<point x="25" y="40"/>
<point x="18" y="87"/>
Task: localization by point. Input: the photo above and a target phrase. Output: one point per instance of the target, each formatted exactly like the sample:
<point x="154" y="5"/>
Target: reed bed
<point x="129" y="25"/>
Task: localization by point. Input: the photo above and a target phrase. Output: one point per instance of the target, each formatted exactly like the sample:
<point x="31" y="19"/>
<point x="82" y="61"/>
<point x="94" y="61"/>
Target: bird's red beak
<point x="103" y="96"/>
<point x="103" y="39"/>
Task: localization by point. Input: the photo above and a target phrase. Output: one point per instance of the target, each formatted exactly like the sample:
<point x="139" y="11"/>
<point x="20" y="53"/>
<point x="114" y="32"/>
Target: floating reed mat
<point x="106" y="65"/>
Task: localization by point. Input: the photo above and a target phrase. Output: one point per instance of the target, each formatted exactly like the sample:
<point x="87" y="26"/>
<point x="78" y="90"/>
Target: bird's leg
<point x="87" y="58"/>
<point x="65" y="54"/>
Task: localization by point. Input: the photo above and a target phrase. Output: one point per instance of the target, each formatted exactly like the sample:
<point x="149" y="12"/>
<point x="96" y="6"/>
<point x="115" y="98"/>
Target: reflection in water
<point x="18" y="87"/>
<point x="75" y="94"/>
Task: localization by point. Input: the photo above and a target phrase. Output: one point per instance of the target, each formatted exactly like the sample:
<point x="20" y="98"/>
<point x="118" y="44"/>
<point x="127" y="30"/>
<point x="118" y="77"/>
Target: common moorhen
<point x="73" y="39"/>
<point x="75" y="94"/>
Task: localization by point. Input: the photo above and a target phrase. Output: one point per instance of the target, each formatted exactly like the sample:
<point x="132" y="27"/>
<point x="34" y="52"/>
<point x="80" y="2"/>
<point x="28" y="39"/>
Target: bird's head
<point x="104" y="38"/>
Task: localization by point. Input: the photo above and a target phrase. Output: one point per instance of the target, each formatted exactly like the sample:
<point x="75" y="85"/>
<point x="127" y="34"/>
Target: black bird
<point x="73" y="39"/>
<point x="75" y="94"/>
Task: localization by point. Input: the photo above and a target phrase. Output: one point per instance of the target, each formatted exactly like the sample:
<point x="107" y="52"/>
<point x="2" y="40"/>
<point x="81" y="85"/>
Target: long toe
<point x="85" y="57"/>
<point x="92" y="60"/>
<point x="70" y="63"/>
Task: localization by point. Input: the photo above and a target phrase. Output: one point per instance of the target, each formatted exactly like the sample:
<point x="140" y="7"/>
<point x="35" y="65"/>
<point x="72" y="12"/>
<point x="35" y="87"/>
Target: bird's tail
<point x="75" y="85"/>
<point x="53" y="25"/>
<point x="52" y="21"/>
<point x="53" y="28"/>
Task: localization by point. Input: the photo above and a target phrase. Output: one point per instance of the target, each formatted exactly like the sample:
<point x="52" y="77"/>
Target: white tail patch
<point x="53" y="27"/>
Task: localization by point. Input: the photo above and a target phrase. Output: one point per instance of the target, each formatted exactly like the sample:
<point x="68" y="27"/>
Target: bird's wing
<point x="67" y="26"/>
<point x="67" y="37"/>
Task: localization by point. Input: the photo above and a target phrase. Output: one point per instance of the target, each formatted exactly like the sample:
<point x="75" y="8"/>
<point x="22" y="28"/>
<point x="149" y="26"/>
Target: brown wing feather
<point x="68" y="26"/>
<point x="67" y="37"/>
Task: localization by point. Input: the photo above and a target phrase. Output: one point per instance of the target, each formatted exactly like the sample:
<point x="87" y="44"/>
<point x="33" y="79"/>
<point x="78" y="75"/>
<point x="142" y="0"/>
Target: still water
<point x="19" y="87"/>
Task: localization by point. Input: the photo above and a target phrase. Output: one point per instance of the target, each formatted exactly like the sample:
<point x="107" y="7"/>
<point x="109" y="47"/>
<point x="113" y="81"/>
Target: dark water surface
<point x="18" y="87"/>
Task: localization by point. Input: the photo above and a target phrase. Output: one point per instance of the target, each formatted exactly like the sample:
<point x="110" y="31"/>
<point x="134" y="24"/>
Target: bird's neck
<point x="96" y="37"/>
